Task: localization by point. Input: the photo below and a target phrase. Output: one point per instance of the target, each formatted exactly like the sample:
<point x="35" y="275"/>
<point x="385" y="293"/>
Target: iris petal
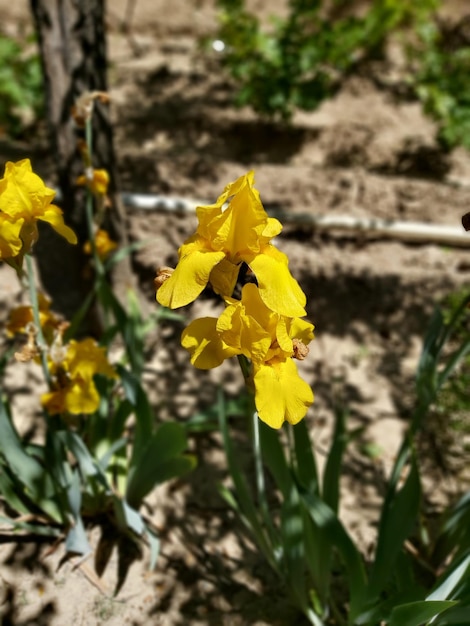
<point x="204" y="344"/>
<point x="53" y="215"/>
<point x="189" y="278"/>
<point x="280" y="393"/>
<point x="278" y="288"/>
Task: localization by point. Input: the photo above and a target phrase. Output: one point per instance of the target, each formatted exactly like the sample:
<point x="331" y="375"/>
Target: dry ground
<point x="363" y="154"/>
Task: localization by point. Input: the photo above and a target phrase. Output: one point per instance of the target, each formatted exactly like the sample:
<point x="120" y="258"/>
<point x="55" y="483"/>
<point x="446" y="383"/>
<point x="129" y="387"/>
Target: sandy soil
<point x="363" y="154"/>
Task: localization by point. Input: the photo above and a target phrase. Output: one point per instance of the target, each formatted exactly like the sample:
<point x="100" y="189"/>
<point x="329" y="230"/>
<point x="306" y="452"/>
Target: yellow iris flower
<point x="225" y="238"/>
<point x="24" y="199"/>
<point x="269" y="340"/>
<point x="22" y="317"/>
<point x="104" y="245"/>
<point x="74" y="389"/>
<point x="96" y="180"/>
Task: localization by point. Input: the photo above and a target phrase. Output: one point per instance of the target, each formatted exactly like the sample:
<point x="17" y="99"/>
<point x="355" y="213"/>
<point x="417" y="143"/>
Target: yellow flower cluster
<point x="74" y="390"/>
<point x="72" y="366"/>
<point x="24" y="199"/>
<point x="265" y="325"/>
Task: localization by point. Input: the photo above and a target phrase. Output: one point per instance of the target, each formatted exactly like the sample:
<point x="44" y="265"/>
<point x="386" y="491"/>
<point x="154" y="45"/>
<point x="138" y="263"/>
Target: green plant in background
<point x="21" y="85"/>
<point x="302" y="59"/>
<point x="99" y="451"/>
<point x="454" y="399"/>
<point x="441" y="64"/>
<point x="448" y="425"/>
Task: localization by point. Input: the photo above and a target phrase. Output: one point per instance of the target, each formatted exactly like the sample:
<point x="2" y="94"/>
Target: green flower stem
<point x="100" y="272"/>
<point x="33" y="294"/>
<point x="260" y="483"/>
<point x="99" y="268"/>
<point x="245" y="366"/>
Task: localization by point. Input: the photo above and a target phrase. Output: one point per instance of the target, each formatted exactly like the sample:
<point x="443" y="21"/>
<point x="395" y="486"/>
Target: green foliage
<point x="453" y="402"/>
<point x="302" y="59"/>
<point x="305" y="542"/>
<point x="21" y="85"/>
<point x="441" y="61"/>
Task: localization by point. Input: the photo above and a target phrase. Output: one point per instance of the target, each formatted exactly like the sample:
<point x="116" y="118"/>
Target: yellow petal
<point x="54" y="401"/>
<point x="278" y="289"/>
<point x="302" y="330"/>
<point x="85" y="359"/>
<point x="82" y="397"/>
<point x="23" y="193"/>
<point x="10" y="241"/>
<point x="204" y="344"/>
<point x="243" y="332"/>
<point x="223" y="278"/>
<point x="189" y="278"/>
<point x="280" y="393"/>
<point x="239" y="228"/>
<point x="18" y="319"/>
<point x="255" y="307"/>
<point x="53" y="215"/>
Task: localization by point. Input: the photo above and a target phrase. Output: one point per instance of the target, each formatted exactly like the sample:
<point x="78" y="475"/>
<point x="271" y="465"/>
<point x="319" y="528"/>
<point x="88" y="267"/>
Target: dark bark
<point x="71" y="35"/>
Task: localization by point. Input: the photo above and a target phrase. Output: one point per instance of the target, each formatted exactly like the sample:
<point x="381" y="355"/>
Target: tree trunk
<point x="72" y="43"/>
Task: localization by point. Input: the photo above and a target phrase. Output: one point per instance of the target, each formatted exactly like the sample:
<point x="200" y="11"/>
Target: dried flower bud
<point x="27" y="353"/>
<point x="57" y="351"/>
<point x="163" y="274"/>
<point x="83" y="108"/>
<point x="300" y="349"/>
<point x="30" y="350"/>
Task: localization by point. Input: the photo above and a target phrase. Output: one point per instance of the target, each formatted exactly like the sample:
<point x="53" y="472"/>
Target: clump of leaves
<point x="450" y="418"/>
<point x="302" y="59"/>
<point x="21" y="85"/>
<point x="442" y="64"/>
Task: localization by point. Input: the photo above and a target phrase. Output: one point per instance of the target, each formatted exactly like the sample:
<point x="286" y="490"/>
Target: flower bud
<point x="163" y="274"/>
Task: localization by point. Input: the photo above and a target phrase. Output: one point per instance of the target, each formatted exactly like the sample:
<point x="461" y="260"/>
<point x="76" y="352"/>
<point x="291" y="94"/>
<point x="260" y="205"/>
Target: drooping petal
<point x="278" y="288"/>
<point x="10" y="241"/>
<point x="82" y="397"/>
<point x="204" y="344"/>
<point x="189" y="278"/>
<point x="54" y="216"/>
<point x="280" y="393"/>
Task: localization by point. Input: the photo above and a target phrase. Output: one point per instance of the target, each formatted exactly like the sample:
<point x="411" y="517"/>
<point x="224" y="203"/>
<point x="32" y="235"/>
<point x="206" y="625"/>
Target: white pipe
<point x="417" y="232"/>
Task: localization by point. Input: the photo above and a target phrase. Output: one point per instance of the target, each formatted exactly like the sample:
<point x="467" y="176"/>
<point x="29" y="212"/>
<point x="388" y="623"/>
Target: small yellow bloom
<point x="97" y="181"/>
<point x="22" y="317"/>
<point x="24" y="199"/>
<point x="74" y="389"/>
<point x="226" y="238"/>
<point x="269" y="340"/>
<point x="104" y="245"/>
